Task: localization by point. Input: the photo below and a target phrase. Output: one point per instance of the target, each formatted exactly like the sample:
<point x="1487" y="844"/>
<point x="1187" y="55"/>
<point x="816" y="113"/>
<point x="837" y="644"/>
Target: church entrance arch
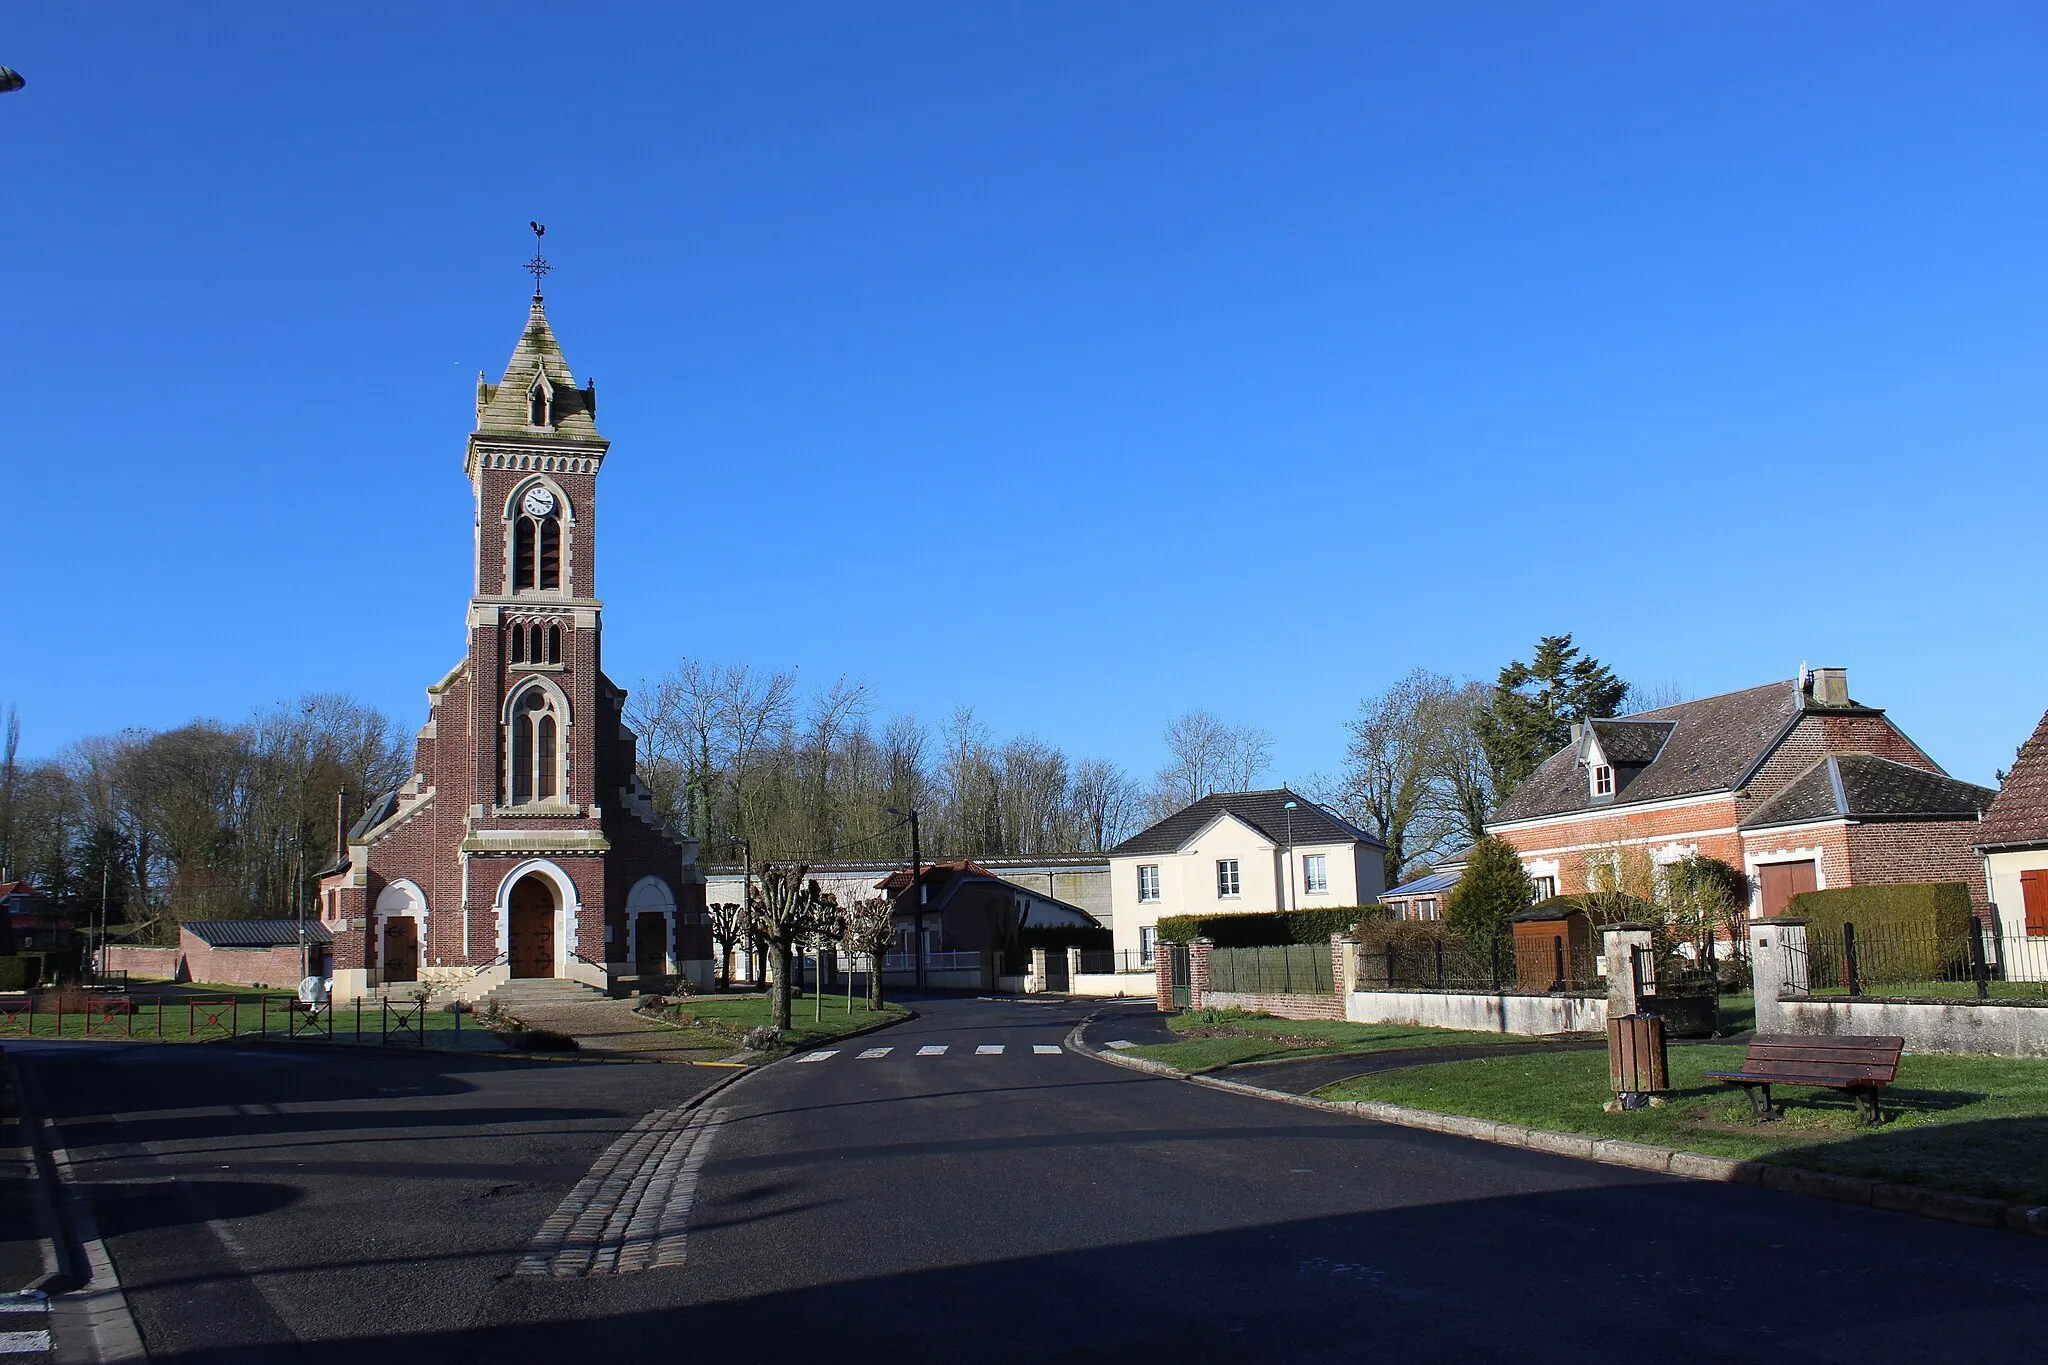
<point x="530" y="927"/>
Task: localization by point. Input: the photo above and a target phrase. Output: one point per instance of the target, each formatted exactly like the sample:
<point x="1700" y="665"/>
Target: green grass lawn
<point x="1249" y="1038"/>
<point x="201" y="1015"/>
<point x="1976" y="1125"/>
<point x="733" y="1015"/>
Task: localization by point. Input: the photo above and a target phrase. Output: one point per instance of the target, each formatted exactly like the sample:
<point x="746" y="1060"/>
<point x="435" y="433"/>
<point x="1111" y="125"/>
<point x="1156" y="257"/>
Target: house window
<point x="1148" y="883"/>
<point x="1226" y="877"/>
<point x="1315" y="874"/>
<point x="536" y="749"/>
<point x="1425" y="908"/>
<point x="1148" y="939"/>
<point x="1546" y="887"/>
<point x="1603" y="780"/>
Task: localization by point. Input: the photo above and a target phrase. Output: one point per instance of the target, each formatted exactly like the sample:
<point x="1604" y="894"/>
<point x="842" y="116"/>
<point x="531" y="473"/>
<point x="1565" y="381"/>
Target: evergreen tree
<point x="1535" y="703"/>
<point x="1493" y="887"/>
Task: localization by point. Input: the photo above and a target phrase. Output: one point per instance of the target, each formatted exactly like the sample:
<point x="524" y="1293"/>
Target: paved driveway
<point x="956" y="1188"/>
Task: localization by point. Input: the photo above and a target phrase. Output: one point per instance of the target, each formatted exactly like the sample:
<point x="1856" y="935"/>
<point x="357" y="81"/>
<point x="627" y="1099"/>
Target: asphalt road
<point x="960" y="1206"/>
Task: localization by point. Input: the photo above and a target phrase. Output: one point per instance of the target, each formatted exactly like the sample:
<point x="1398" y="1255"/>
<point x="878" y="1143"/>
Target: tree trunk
<point x="778" y="989"/>
<point x="875" y="982"/>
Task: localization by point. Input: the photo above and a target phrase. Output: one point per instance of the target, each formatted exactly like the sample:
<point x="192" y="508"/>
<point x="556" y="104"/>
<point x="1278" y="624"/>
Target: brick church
<point x="524" y="844"/>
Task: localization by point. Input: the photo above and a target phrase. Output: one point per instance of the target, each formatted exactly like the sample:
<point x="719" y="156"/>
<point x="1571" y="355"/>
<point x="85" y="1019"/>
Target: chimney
<point x="1578" y="731"/>
<point x="1828" y="686"/>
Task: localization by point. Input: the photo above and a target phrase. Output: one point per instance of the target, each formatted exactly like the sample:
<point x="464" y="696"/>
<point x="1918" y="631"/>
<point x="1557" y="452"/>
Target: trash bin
<point x="1636" y="1061"/>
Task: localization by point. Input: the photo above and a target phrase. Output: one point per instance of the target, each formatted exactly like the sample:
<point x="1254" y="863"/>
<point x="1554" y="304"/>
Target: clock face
<point x="539" y="502"/>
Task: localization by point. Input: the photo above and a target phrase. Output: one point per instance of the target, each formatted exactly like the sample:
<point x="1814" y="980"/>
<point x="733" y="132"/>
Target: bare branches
<point x="1208" y="756"/>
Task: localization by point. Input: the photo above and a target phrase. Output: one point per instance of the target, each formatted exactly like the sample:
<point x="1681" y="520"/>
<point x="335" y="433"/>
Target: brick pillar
<point x="1162" y="976"/>
<point x="1617" y="946"/>
<point x="1777" y="960"/>
<point x="1198" y="972"/>
<point x="1343" y="967"/>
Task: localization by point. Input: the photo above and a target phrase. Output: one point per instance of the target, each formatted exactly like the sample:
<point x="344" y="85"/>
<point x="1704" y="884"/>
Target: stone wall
<point x="1480" y="1011"/>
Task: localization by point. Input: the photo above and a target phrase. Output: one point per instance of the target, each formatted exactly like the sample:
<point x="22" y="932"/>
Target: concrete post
<point x="1035" y="983"/>
<point x="1073" y="968"/>
<point x="1777" y="961"/>
<point x="1344" y="955"/>
<point x="1618" y="943"/>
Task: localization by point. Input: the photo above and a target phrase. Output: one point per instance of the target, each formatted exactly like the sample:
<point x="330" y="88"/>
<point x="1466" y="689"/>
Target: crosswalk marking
<point x="875" y="1052"/>
<point x="988" y="1049"/>
<point x="819" y="1056"/>
<point x="932" y="1050"/>
<point x="1046" y="1049"/>
<point x="24" y="1325"/>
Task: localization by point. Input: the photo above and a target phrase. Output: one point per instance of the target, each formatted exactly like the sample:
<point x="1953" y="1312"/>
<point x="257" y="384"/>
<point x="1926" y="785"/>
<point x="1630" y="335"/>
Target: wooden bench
<point x="1859" y="1067"/>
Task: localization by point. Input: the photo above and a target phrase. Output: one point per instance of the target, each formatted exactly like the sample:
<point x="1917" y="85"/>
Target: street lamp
<point x="917" y="887"/>
<point x="746" y="886"/>
<point x="1289" y="809"/>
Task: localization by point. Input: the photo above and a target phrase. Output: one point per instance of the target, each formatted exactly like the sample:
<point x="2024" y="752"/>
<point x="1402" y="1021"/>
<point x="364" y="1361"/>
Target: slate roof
<point x="2019" y="815"/>
<point x="1867" y="787"/>
<point x="1263" y="811"/>
<point x="502" y="407"/>
<point x="1423" y="886"/>
<point x="255" y="933"/>
<point x="1710" y="746"/>
<point x="1632" y="743"/>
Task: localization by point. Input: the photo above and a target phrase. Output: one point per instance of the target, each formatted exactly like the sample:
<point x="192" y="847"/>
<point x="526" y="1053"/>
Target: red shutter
<point x="2034" y="893"/>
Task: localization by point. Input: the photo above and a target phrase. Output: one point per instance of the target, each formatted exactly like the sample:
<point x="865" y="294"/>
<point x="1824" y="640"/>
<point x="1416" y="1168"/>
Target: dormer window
<point x="1603" y="780"/>
<point x="540" y="403"/>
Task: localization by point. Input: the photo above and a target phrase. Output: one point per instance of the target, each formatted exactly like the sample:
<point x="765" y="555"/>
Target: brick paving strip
<point x="632" y="1212"/>
<point x="1848" y="1189"/>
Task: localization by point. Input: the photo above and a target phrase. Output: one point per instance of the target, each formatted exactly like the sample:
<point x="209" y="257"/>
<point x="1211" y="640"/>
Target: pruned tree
<point x="870" y="932"/>
<point x="728" y="930"/>
<point x="784" y="908"/>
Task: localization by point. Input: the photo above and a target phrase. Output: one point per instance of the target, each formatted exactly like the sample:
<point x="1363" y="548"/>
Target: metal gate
<point x="1178" y="976"/>
<point x="1056" y="979"/>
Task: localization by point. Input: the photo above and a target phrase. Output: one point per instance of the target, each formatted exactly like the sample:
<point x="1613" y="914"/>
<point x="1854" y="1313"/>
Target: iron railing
<point x="1895" y="960"/>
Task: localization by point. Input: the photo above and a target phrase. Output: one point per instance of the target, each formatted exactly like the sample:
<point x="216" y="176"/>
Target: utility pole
<point x="917" y="893"/>
<point x="102" y="970"/>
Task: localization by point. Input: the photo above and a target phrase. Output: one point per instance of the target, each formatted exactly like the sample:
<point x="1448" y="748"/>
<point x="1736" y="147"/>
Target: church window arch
<point x="537" y="723"/>
<point x="518" y="652"/>
<point x="554" y="644"/>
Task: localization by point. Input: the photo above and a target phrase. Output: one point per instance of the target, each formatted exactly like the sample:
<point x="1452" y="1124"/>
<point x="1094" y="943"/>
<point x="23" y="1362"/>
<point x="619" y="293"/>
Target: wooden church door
<point x="531" y="931"/>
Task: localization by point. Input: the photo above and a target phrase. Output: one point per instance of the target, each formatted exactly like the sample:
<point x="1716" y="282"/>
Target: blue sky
<point x="1127" y="358"/>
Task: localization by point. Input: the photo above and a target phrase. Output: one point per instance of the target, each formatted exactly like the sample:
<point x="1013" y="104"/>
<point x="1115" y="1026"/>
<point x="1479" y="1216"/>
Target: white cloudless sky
<point x="1081" y="363"/>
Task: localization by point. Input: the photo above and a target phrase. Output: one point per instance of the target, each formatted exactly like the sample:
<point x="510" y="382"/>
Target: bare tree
<point x="1393" y="750"/>
<point x="784" y="908"/>
<point x="1105" y="801"/>
<point x="870" y="932"/>
<point x="1462" y="794"/>
<point x="728" y="930"/>
<point x="1208" y="756"/>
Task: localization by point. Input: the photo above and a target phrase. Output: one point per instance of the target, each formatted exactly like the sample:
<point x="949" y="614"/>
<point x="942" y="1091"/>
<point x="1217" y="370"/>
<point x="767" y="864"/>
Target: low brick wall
<point x="1280" y="1006"/>
<point x="165" y="964"/>
<point x="1988" y="1028"/>
<point x="1480" y="1011"/>
<point x="242" y="966"/>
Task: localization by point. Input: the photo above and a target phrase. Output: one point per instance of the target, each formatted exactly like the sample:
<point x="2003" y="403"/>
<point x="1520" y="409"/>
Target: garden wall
<point x="1480" y="1011"/>
<point x="1989" y="1028"/>
<point x="1111" y="984"/>
<point x="165" y="964"/>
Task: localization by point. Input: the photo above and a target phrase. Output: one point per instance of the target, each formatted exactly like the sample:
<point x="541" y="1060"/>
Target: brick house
<point x="2013" y="841"/>
<point x="967" y="907"/>
<point x="524" y="844"/>
<point x="1793" y="782"/>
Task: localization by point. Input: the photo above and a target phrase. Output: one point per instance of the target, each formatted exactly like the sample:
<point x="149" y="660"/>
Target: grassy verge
<point x="729" y="1017"/>
<point x="1975" y="1125"/>
<point x="208" y="1016"/>
<point x="1213" y="1038"/>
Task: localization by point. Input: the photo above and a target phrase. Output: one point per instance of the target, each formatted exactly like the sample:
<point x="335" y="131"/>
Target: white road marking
<point x="818" y="1056"/>
<point x="1046" y="1049"/>
<point x="932" y="1050"/>
<point x="24" y="1326"/>
<point x="988" y="1049"/>
<point x="24" y="1343"/>
<point x="875" y="1052"/>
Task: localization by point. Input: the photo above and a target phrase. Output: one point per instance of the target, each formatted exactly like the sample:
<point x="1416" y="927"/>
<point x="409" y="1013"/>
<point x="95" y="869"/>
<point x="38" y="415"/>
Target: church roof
<point x="504" y="408"/>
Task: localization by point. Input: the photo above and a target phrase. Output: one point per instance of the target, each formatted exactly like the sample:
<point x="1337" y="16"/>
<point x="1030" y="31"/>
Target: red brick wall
<point x="241" y="966"/>
<point x="1567" y="840"/>
<point x="1919" y="851"/>
<point x="1784" y="845"/>
<point x="163" y="963"/>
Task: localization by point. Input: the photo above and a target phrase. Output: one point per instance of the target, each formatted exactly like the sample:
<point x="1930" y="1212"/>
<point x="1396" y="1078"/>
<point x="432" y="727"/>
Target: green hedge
<point x="20" y="972"/>
<point x="1268" y="930"/>
<point x="1942" y="908"/>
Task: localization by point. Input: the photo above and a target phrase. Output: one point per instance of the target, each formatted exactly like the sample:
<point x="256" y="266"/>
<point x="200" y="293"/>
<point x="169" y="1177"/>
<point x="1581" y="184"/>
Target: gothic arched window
<point x="537" y="404"/>
<point x="519" y="644"/>
<point x="536" y="748"/>
<point x="536" y="551"/>
<point x="554" y="644"/>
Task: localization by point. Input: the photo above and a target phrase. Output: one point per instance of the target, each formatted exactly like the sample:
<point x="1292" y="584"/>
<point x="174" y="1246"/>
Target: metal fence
<point x="1105" y="961"/>
<point x="1917" y="960"/>
<point x="1446" y="963"/>
<point x="185" y="1018"/>
<point x="1295" y="969"/>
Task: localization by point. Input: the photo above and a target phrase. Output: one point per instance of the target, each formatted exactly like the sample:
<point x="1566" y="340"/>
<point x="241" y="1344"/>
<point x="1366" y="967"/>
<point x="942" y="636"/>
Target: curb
<point x="1640" y="1156"/>
<point x="56" y="1246"/>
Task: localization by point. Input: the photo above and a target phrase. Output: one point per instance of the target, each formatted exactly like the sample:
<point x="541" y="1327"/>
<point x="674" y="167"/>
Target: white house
<point x="1237" y="853"/>
<point x="2013" y="837"/>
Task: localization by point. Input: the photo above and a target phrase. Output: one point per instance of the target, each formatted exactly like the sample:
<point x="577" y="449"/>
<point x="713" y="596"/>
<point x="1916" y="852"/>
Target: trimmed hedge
<point x="20" y="972"/>
<point x="1268" y="930"/>
<point x="1940" y="908"/>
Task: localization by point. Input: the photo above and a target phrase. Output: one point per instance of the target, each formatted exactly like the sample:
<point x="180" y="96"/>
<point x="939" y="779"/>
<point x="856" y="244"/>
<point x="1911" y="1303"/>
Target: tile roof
<point x="255" y="933"/>
<point x="1632" y="743"/>
<point x="1264" y="811"/>
<point x="1867" y="787"/>
<point x="2020" y="813"/>
<point x="1711" y="745"/>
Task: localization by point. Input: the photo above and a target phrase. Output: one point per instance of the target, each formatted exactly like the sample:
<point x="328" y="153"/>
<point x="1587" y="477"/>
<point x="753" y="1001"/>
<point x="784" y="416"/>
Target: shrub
<point x="1495" y="886"/>
<point x="1915" y="931"/>
<point x="1257" y="930"/>
<point x="17" y="973"/>
<point x="650" y="1004"/>
<point x="543" y="1040"/>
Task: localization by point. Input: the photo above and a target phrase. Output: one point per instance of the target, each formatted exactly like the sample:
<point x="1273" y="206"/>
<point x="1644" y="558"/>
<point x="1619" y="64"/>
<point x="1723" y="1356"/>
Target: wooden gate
<point x="1179" y="978"/>
<point x="530" y="934"/>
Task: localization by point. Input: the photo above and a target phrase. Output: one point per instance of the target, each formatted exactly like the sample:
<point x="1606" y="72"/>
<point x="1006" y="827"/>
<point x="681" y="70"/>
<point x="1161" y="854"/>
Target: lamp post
<point x="917" y="890"/>
<point x="746" y="886"/>
<point x="1289" y="809"/>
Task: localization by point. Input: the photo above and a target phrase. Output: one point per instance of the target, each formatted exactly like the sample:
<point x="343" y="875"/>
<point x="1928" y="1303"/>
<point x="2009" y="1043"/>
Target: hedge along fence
<point x="1916" y="931"/>
<point x="1269" y="930"/>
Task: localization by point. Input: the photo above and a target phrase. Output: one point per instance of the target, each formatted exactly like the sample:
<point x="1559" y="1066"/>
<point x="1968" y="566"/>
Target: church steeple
<point x="506" y="408"/>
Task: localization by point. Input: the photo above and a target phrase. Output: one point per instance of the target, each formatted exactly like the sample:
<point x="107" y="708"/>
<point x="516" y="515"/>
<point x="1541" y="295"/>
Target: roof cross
<point x="538" y="266"/>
